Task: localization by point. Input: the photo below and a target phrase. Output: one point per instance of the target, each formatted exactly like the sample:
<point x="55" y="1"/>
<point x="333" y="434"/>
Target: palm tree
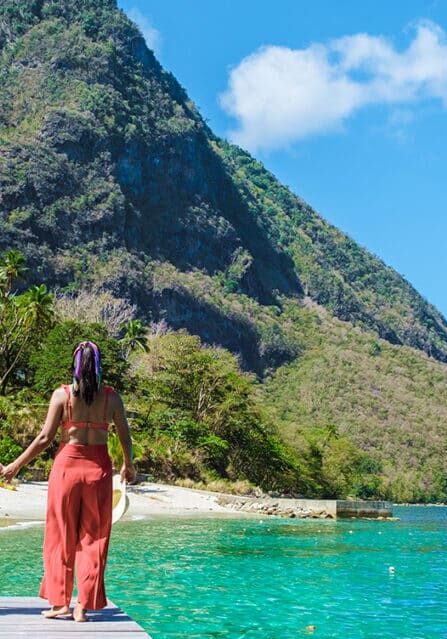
<point x="135" y="336"/>
<point x="12" y="267"/>
<point x="37" y="306"/>
<point x="27" y="316"/>
<point x="116" y="451"/>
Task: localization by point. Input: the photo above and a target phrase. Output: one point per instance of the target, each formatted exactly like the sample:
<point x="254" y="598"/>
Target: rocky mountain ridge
<point x="110" y="178"/>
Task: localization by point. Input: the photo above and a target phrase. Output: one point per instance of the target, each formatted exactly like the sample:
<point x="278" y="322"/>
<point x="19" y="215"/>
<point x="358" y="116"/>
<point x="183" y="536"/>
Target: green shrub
<point x="9" y="449"/>
<point x="51" y="362"/>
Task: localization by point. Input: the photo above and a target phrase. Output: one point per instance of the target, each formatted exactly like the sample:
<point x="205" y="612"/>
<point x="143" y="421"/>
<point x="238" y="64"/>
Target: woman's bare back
<point x="100" y="411"/>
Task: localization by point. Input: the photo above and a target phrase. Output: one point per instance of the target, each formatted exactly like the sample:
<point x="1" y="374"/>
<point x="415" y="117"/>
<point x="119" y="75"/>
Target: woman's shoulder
<point x="60" y="393"/>
<point x="110" y="392"/>
<point x="63" y="389"/>
<point x="112" y="397"/>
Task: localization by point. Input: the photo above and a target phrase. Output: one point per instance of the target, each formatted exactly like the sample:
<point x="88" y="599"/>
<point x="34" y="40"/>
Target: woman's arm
<point x="42" y="440"/>
<point x="128" y="471"/>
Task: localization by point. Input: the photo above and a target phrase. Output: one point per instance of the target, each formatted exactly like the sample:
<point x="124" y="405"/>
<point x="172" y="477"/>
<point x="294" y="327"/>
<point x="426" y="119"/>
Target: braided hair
<point x="86" y="370"/>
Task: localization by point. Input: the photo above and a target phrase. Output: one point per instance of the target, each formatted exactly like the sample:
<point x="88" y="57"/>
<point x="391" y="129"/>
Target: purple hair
<point x="77" y="359"/>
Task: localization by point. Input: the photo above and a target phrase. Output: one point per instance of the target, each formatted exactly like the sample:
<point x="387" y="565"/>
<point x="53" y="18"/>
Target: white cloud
<point x="150" y="33"/>
<point x="279" y="95"/>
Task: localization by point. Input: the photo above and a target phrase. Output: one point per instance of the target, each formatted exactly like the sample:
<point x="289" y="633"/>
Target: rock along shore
<point x="307" y="508"/>
<point x="282" y="507"/>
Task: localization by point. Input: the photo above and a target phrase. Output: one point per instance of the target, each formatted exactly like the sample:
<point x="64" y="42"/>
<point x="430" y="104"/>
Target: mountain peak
<point x="109" y="177"/>
<point x="97" y="18"/>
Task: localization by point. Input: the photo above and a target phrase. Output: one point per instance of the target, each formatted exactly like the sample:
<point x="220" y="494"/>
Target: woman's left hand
<point x="9" y="471"/>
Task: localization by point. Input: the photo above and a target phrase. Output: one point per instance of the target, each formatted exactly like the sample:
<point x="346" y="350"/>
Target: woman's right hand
<point x="9" y="472"/>
<point x="128" y="473"/>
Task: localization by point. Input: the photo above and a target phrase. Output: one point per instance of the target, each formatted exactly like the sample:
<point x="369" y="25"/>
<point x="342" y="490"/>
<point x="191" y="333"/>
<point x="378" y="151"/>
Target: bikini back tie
<point x="104" y="425"/>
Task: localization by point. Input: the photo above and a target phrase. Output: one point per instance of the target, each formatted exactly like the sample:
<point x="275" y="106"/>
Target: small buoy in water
<point x="261" y="521"/>
<point x="391" y="570"/>
<point x="350" y="532"/>
<point x="310" y="629"/>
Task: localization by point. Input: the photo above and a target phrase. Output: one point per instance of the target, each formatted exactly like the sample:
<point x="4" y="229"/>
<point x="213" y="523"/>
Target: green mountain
<point x="110" y="179"/>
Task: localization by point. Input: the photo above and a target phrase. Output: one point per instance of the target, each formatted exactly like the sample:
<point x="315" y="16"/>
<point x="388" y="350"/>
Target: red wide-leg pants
<point x="78" y="525"/>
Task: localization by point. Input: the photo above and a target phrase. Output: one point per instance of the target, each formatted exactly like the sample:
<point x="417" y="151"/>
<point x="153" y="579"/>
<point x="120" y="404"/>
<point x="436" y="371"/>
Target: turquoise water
<point x="267" y="579"/>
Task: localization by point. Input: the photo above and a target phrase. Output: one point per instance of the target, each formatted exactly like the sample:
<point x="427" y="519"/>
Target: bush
<point x="51" y="362"/>
<point x="9" y="449"/>
<point x="200" y="412"/>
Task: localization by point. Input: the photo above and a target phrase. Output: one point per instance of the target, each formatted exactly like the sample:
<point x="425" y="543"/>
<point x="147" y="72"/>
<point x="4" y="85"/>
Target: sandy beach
<point x="27" y="505"/>
<point x="28" y="502"/>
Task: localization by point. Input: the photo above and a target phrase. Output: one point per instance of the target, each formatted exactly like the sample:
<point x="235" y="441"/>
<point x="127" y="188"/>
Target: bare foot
<point x="79" y="613"/>
<point x="57" y="611"/>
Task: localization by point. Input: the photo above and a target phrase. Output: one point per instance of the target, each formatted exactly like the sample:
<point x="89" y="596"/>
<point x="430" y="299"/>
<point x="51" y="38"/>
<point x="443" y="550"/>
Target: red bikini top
<point x="102" y="425"/>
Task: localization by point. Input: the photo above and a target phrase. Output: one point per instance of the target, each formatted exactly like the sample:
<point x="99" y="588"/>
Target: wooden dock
<point x="20" y="617"/>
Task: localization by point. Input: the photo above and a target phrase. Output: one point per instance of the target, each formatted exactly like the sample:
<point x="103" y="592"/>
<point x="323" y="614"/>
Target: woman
<point x="79" y="503"/>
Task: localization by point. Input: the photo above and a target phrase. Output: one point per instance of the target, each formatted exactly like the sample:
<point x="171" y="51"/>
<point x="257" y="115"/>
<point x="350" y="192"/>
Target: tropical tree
<point x="50" y="360"/>
<point x="116" y="450"/>
<point x="135" y="337"/>
<point x="10" y="338"/>
<point x="37" y="305"/>
<point x="23" y="318"/>
<point x="202" y="416"/>
<point x="12" y="267"/>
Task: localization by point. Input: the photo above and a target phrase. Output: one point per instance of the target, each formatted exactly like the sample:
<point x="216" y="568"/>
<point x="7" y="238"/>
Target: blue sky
<point x="345" y="102"/>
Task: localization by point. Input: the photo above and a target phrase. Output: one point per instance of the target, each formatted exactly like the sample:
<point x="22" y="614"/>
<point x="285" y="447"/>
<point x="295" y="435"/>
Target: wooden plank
<point x="17" y="633"/>
<point x="20" y="617"/>
<point x="69" y="628"/>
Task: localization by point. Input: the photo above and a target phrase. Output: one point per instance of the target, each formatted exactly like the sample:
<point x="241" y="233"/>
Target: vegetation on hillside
<point x="311" y="429"/>
<point x="390" y="401"/>
<point x="198" y="416"/>
<point x="107" y="171"/>
<point x="334" y="270"/>
<point x="129" y="209"/>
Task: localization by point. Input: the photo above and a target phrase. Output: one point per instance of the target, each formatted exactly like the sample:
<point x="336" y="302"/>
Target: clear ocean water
<point x="266" y="578"/>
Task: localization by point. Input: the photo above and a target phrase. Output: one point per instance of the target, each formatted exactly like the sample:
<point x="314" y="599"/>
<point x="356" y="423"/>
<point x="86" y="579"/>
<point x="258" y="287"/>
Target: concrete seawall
<point x="359" y="508"/>
<point x="307" y="508"/>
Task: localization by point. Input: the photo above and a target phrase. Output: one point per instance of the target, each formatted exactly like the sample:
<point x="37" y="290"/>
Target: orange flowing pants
<point x="78" y="525"/>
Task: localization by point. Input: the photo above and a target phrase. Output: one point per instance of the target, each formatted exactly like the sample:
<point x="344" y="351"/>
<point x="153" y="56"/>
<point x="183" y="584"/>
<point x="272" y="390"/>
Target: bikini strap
<point x="107" y="391"/>
<point x="69" y="411"/>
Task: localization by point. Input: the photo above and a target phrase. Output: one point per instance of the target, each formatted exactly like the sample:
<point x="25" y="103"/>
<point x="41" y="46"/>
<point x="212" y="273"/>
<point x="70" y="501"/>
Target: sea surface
<point x="266" y="578"/>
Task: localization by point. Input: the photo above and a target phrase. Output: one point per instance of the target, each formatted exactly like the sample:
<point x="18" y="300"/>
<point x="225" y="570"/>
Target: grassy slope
<point x="389" y="400"/>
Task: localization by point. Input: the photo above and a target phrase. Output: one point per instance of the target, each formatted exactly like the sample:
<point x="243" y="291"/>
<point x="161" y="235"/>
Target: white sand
<point x="28" y="502"/>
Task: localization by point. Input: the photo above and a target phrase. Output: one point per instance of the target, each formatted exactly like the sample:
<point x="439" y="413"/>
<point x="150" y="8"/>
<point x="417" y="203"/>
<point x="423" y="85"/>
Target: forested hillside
<point x="112" y="183"/>
<point x="105" y="161"/>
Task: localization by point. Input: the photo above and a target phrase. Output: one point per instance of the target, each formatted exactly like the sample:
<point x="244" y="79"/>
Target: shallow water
<point x="249" y="578"/>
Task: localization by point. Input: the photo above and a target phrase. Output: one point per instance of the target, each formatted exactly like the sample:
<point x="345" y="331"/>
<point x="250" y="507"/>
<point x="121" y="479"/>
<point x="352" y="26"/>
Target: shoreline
<point x="26" y="506"/>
